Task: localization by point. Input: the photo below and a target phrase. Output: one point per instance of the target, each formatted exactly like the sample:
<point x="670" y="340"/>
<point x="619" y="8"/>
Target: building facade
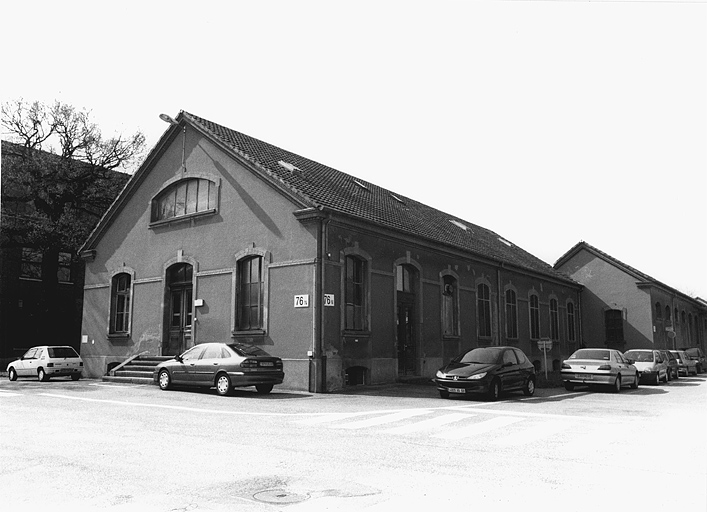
<point x="625" y="308"/>
<point x="219" y="237"/>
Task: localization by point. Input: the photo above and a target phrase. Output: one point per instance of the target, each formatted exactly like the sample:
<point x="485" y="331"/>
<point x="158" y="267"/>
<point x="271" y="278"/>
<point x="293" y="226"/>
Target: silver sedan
<point x="605" y="366"/>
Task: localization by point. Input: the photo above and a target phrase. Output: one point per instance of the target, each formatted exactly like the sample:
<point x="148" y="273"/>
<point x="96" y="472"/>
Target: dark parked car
<point x="487" y="370"/>
<point x="222" y="365"/>
<point x="672" y="363"/>
<point x="698" y="356"/>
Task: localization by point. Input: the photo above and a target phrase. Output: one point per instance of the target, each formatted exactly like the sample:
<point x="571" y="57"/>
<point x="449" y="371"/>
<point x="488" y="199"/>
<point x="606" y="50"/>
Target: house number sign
<point x="329" y="299"/>
<point x="301" y="301"/>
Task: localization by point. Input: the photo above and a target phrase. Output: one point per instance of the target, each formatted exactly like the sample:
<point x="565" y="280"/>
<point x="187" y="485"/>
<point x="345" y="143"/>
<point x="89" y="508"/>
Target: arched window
<point x="511" y="314"/>
<point x="534" y="317"/>
<point x="554" y="320"/>
<point x="450" y="324"/>
<point x="483" y="303"/>
<point x="184" y="197"/>
<point x="658" y="311"/>
<point x="121" y="294"/>
<point x="250" y="294"/>
<point x="571" y="336"/>
<point x="355" y="294"/>
<point x="667" y="313"/>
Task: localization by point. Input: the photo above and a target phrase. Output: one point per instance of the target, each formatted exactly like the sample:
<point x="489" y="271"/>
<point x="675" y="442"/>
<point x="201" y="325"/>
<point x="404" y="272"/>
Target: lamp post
<point x="170" y="120"/>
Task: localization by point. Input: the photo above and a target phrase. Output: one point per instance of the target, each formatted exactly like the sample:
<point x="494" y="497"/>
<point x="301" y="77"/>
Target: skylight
<point x="288" y="166"/>
<point x="503" y="240"/>
<point x="397" y="198"/>
<point x="364" y="187"/>
<point x="459" y="224"/>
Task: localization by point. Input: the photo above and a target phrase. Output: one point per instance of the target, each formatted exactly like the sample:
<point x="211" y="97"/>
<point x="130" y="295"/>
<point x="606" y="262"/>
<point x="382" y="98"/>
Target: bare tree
<point x="59" y="175"/>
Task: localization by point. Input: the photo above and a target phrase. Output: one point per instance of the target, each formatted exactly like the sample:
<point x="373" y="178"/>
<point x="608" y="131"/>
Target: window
<point x="534" y="317"/>
<point x="614" y="321"/>
<point x="667" y="313"/>
<point x="404" y="279"/>
<point x="509" y="357"/>
<point x="570" y="322"/>
<point x="658" y="311"/>
<point x="250" y="294"/>
<point x="64" y="271"/>
<point x="31" y="266"/>
<point x="213" y="352"/>
<point x="554" y="320"/>
<point x="185" y="197"/>
<point x="511" y="314"/>
<point x="120" y="304"/>
<point x="483" y="303"/>
<point x="449" y="307"/>
<point x="355" y="294"/>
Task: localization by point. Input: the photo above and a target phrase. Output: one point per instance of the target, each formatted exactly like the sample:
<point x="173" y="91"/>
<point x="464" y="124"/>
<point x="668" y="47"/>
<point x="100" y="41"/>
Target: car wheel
<point x="617" y="384"/>
<point x="164" y="380"/>
<point x="529" y="388"/>
<point x="676" y="375"/>
<point x="12" y="374"/>
<point x="569" y="386"/>
<point x="666" y="378"/>
<point x="657" y="379"/>
<point x="636" y="378"/>
<point x="263" y="389"/>
<point x="494" y="390"/>
<point x="75" y="376"/>
<point x="223" y="384"/>
<point x="668" y="375"/>
<point x="443" y="394"/>
<point x="42" y="375"/>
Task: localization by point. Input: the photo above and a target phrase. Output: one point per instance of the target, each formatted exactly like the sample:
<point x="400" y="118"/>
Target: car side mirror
<point x="178" y="358"/>
<point x="630" y="361"/>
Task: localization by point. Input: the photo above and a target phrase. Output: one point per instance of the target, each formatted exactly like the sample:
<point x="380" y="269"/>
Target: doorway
<point x="180" y="288"/>
<point x="407" y="342"/>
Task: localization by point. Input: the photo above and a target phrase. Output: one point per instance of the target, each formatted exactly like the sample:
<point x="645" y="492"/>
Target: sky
<point x="549" y="122"/>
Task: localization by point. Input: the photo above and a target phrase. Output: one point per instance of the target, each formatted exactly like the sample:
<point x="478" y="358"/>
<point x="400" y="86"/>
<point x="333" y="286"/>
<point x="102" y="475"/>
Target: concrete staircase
<point x="136" y="371"/>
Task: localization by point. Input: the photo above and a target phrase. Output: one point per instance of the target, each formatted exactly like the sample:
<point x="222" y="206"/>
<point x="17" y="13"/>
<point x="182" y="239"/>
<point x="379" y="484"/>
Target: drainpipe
<point x="499" y="302"/>
<point x="317" y="375"/>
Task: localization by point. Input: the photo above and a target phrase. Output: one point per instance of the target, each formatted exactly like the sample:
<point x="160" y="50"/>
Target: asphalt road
<point x="90" y="445"/>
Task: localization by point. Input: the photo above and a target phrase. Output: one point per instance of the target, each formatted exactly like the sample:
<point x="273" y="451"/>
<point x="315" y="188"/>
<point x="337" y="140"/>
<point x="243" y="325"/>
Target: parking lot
<point x="100" y="446"/>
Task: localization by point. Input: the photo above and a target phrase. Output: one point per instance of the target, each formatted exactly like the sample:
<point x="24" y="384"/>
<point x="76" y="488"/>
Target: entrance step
<point x="138" y="371"/>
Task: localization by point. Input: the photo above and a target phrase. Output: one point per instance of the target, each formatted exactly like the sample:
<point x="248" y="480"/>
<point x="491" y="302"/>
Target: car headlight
<point x="477" y="376"/>
<point x="440" y="374"/>
<point x="648" y="370"/>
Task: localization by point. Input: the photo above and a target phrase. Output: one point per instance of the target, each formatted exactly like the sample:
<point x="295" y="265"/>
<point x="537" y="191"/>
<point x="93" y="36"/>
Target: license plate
<point x="457" y="390"/>
<point x="267" y="363"/>
<point x="582" y="376"/>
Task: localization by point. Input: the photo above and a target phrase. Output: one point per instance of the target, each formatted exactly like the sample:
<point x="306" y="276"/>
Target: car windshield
<point x="591" y="353"/>
<point x="639" y="356"/>
<point x="485" y="355"/>
<point x="60" y="352"/>
<point x="245" y="350"/>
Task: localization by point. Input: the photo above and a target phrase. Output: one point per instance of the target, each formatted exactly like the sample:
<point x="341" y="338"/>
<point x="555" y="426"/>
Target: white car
<point x="589" y="366"/>
<point x="650" y="365"/>
<point x="45" y="362"/>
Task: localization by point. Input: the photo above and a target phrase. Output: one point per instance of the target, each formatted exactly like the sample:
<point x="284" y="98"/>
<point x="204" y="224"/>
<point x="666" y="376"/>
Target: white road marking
<point x="534" y="433"/>
<point x="387" y="418"/>
<point x="429" y="424"/>
<point x="478" y="428"/>
<point x="9" y="393"/>
<point x="330" y="417"/>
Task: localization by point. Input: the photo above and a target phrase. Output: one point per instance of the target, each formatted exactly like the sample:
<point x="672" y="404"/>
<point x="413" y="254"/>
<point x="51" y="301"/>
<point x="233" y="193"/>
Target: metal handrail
<point x="128" y="360"/>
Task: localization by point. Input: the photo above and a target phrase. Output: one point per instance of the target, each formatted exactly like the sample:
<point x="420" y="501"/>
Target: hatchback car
<point x="686" y="366"/>
<point x="672" y="363"/>
<point x="47" y="361"/>
<point x="650" y="364"/>
<point x="603" y="366"/>
<point x="487" y="370"/>
<point x="698" y="356"/>
<point x="222" y="365"/>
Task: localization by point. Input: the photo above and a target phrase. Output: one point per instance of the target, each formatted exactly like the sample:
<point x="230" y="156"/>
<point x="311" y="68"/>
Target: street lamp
<point x="170" y="120"/>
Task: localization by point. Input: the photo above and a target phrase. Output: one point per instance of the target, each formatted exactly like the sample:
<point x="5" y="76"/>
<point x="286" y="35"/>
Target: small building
<point x="624" y="308"/>
<point x="220" y="236"/>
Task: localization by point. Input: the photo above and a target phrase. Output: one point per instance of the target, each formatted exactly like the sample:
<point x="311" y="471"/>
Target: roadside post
<point x="545" y="344"/>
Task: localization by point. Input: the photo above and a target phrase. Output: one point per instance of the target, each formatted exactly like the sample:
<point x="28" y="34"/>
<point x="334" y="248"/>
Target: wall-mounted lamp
<point x="173" y="122"/>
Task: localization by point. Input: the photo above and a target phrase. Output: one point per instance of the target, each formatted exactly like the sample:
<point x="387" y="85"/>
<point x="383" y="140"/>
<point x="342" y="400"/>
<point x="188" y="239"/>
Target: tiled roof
<point x="641" y="276"/>
<point x="323" y="187"/>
